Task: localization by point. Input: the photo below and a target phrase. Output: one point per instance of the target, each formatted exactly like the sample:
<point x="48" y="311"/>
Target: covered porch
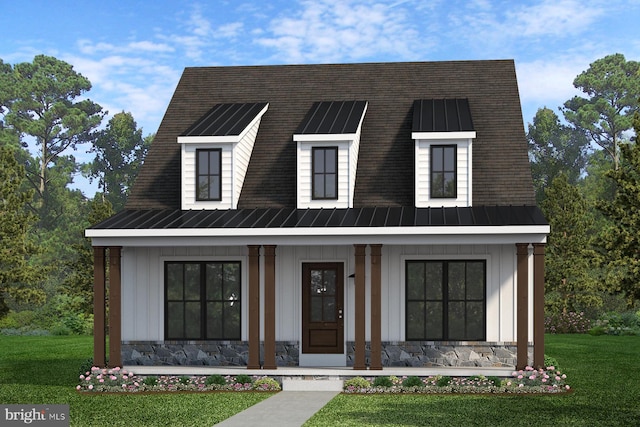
<point x="261" y="299"/>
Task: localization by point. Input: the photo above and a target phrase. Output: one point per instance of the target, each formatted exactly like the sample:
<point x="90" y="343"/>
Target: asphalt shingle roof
<point x="385" y="174"/>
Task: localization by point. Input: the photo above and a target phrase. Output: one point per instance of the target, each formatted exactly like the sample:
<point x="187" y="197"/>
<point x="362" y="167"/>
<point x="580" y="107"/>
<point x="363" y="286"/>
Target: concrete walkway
<point x="284" y="409"/>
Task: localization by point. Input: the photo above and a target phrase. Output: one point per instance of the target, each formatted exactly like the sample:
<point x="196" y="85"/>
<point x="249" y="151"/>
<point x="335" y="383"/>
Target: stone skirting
<point x="198" y="353"/>
<point x="394" y="354"/>
<point x="442" y="354"/>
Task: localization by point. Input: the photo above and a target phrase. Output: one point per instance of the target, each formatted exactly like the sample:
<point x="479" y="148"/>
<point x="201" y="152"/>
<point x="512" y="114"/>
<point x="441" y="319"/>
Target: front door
<point x="322" y="308"/>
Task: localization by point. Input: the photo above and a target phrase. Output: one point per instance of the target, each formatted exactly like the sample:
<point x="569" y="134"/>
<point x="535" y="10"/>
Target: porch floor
<point x="320" y="372"/>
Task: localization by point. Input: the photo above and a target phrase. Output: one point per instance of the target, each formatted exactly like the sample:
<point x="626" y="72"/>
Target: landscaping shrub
<point x="150" y="381"/>
<point x="551" y="361"/>
<point x="244" y="379"/>
<point x="382" y="382"/>
<point x="496" y="381"/>
<point x="412" y="382"/>
<point x="266" y="383"/>
<point x="356" y="383"/>
<point x="443" y="381"/>
<point x="613" y="323"/>
<point x="567" y="323"/>
<point x="215" y="379"/>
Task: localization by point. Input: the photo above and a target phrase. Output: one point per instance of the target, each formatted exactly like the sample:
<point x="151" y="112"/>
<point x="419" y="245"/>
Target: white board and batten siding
<point x="235" y="161"/>
<point x="346" y="164"/>
<point x="423" y="173"/>
<point x="143" y="286"/>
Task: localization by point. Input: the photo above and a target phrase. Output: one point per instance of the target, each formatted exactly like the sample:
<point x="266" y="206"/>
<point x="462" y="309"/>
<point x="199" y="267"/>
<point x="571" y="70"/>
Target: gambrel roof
<point x="385" y="171"/>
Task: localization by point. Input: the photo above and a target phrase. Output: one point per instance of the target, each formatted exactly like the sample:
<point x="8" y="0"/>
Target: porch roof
<point x="273" y="218"/>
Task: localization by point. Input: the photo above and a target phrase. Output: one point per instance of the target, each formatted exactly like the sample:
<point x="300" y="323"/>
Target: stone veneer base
<point x="394" y="353"/>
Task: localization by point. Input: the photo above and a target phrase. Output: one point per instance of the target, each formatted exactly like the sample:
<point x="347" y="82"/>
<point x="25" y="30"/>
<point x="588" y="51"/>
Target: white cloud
<point x="230" y="30"/>
<point x="343" y="30"/>
<point x="553" y="17"/>
<point x="495" y="28"/>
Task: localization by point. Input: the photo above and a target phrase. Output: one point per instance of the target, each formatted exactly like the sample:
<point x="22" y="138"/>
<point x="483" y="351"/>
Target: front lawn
<point x="44" y="370"/>
<point x="604" y="373"/>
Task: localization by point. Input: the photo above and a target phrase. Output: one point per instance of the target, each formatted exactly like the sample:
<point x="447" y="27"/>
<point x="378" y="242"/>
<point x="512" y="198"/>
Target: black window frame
<point x="324" y="174"/>
<point x="445" y="336"/>
<point x="208" y="174"/>
<point x="442" y="194"/>
<point x="203" y="300"/>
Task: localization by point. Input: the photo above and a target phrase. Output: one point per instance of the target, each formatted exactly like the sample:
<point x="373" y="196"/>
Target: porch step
<point x="312" y="384"/>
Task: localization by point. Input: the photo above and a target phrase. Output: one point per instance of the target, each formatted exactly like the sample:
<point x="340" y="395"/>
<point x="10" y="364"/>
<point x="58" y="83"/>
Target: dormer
<point x="328" y="142"/>
<point x="443" y="134"/>
<point x="215" y="153"/>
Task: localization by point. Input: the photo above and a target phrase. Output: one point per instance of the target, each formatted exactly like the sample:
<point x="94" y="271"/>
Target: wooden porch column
<point x="269" y="307"/>
<point x="376" y="308"/>
<point x="538" y="305"/>
<point x="359" y="362"/>
<point x="254" y="307"/>
<point x="99" y="338"/>
<point x="522" y="298"/>
<point x="115" y="312"/>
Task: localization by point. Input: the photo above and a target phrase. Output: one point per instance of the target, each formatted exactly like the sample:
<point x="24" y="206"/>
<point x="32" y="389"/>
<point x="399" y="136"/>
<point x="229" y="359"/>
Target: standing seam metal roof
<point x="225" y="120"/>
<point x="332" y="117"/>
<point x="354" y="217"/>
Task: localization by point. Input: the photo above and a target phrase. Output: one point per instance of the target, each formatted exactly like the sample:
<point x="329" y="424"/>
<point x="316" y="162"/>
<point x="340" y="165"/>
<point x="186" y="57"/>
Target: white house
<point x="363" y="215"/>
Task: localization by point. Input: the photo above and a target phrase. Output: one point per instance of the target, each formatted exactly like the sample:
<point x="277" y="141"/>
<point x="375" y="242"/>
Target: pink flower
<point x="113" y="378"/>
<point x="567" y="387"/>
<point x="101" y="380"/>
<point x="564" y="376"/>
<point x="544" y="380"/>
<point x="78" y="387"/>
<point x="520" y="385"/>
<point x="532" y="377"/>
<point x="520" y="377"/>
<point x="81" y="377"/>
<point x="551" y="368"/>
<point x="90" y="386"/>
<point x="124" y="377"/>
<point x="87" y="379"/>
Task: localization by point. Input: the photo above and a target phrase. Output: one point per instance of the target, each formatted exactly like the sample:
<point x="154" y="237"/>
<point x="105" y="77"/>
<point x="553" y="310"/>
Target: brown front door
<point x="322" y="308"/>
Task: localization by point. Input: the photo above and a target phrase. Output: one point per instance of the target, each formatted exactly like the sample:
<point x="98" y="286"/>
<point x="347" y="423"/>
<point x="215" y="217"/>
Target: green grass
<point x="44" y="370"/>
<point x="603" y="371"/>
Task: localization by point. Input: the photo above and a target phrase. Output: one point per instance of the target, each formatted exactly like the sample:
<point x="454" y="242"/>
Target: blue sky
<point x="134" y="52"/>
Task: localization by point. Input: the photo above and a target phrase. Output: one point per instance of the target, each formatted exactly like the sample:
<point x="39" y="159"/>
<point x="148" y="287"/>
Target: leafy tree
<point x="120" y="150"/>
<point x="79" y="282"/>
<point x="569" y="281"/>
<point x="17" y="275"/>
<point x="555" y="148"/>
<point x="42" y="104"/>
<point x="613" y="87"/>
<point x="621" y="240"/>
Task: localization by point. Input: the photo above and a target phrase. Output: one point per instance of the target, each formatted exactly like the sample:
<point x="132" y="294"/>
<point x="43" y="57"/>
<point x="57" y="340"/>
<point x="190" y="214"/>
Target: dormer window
<point x="325" y="173"/>
<point x="208" y="171"/>
<point x="443" y="171"/>
<point x="328" y="143"/>
<point x="443" y="133"/>
<point x="215" y="153"/>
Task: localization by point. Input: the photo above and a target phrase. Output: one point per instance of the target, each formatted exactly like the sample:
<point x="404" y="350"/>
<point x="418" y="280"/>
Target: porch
<point x="366" y="309"/>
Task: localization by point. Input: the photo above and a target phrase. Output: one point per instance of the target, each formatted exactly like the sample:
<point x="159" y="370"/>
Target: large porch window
<point x="202" y="300"/>
<point x="445" y="300"/>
